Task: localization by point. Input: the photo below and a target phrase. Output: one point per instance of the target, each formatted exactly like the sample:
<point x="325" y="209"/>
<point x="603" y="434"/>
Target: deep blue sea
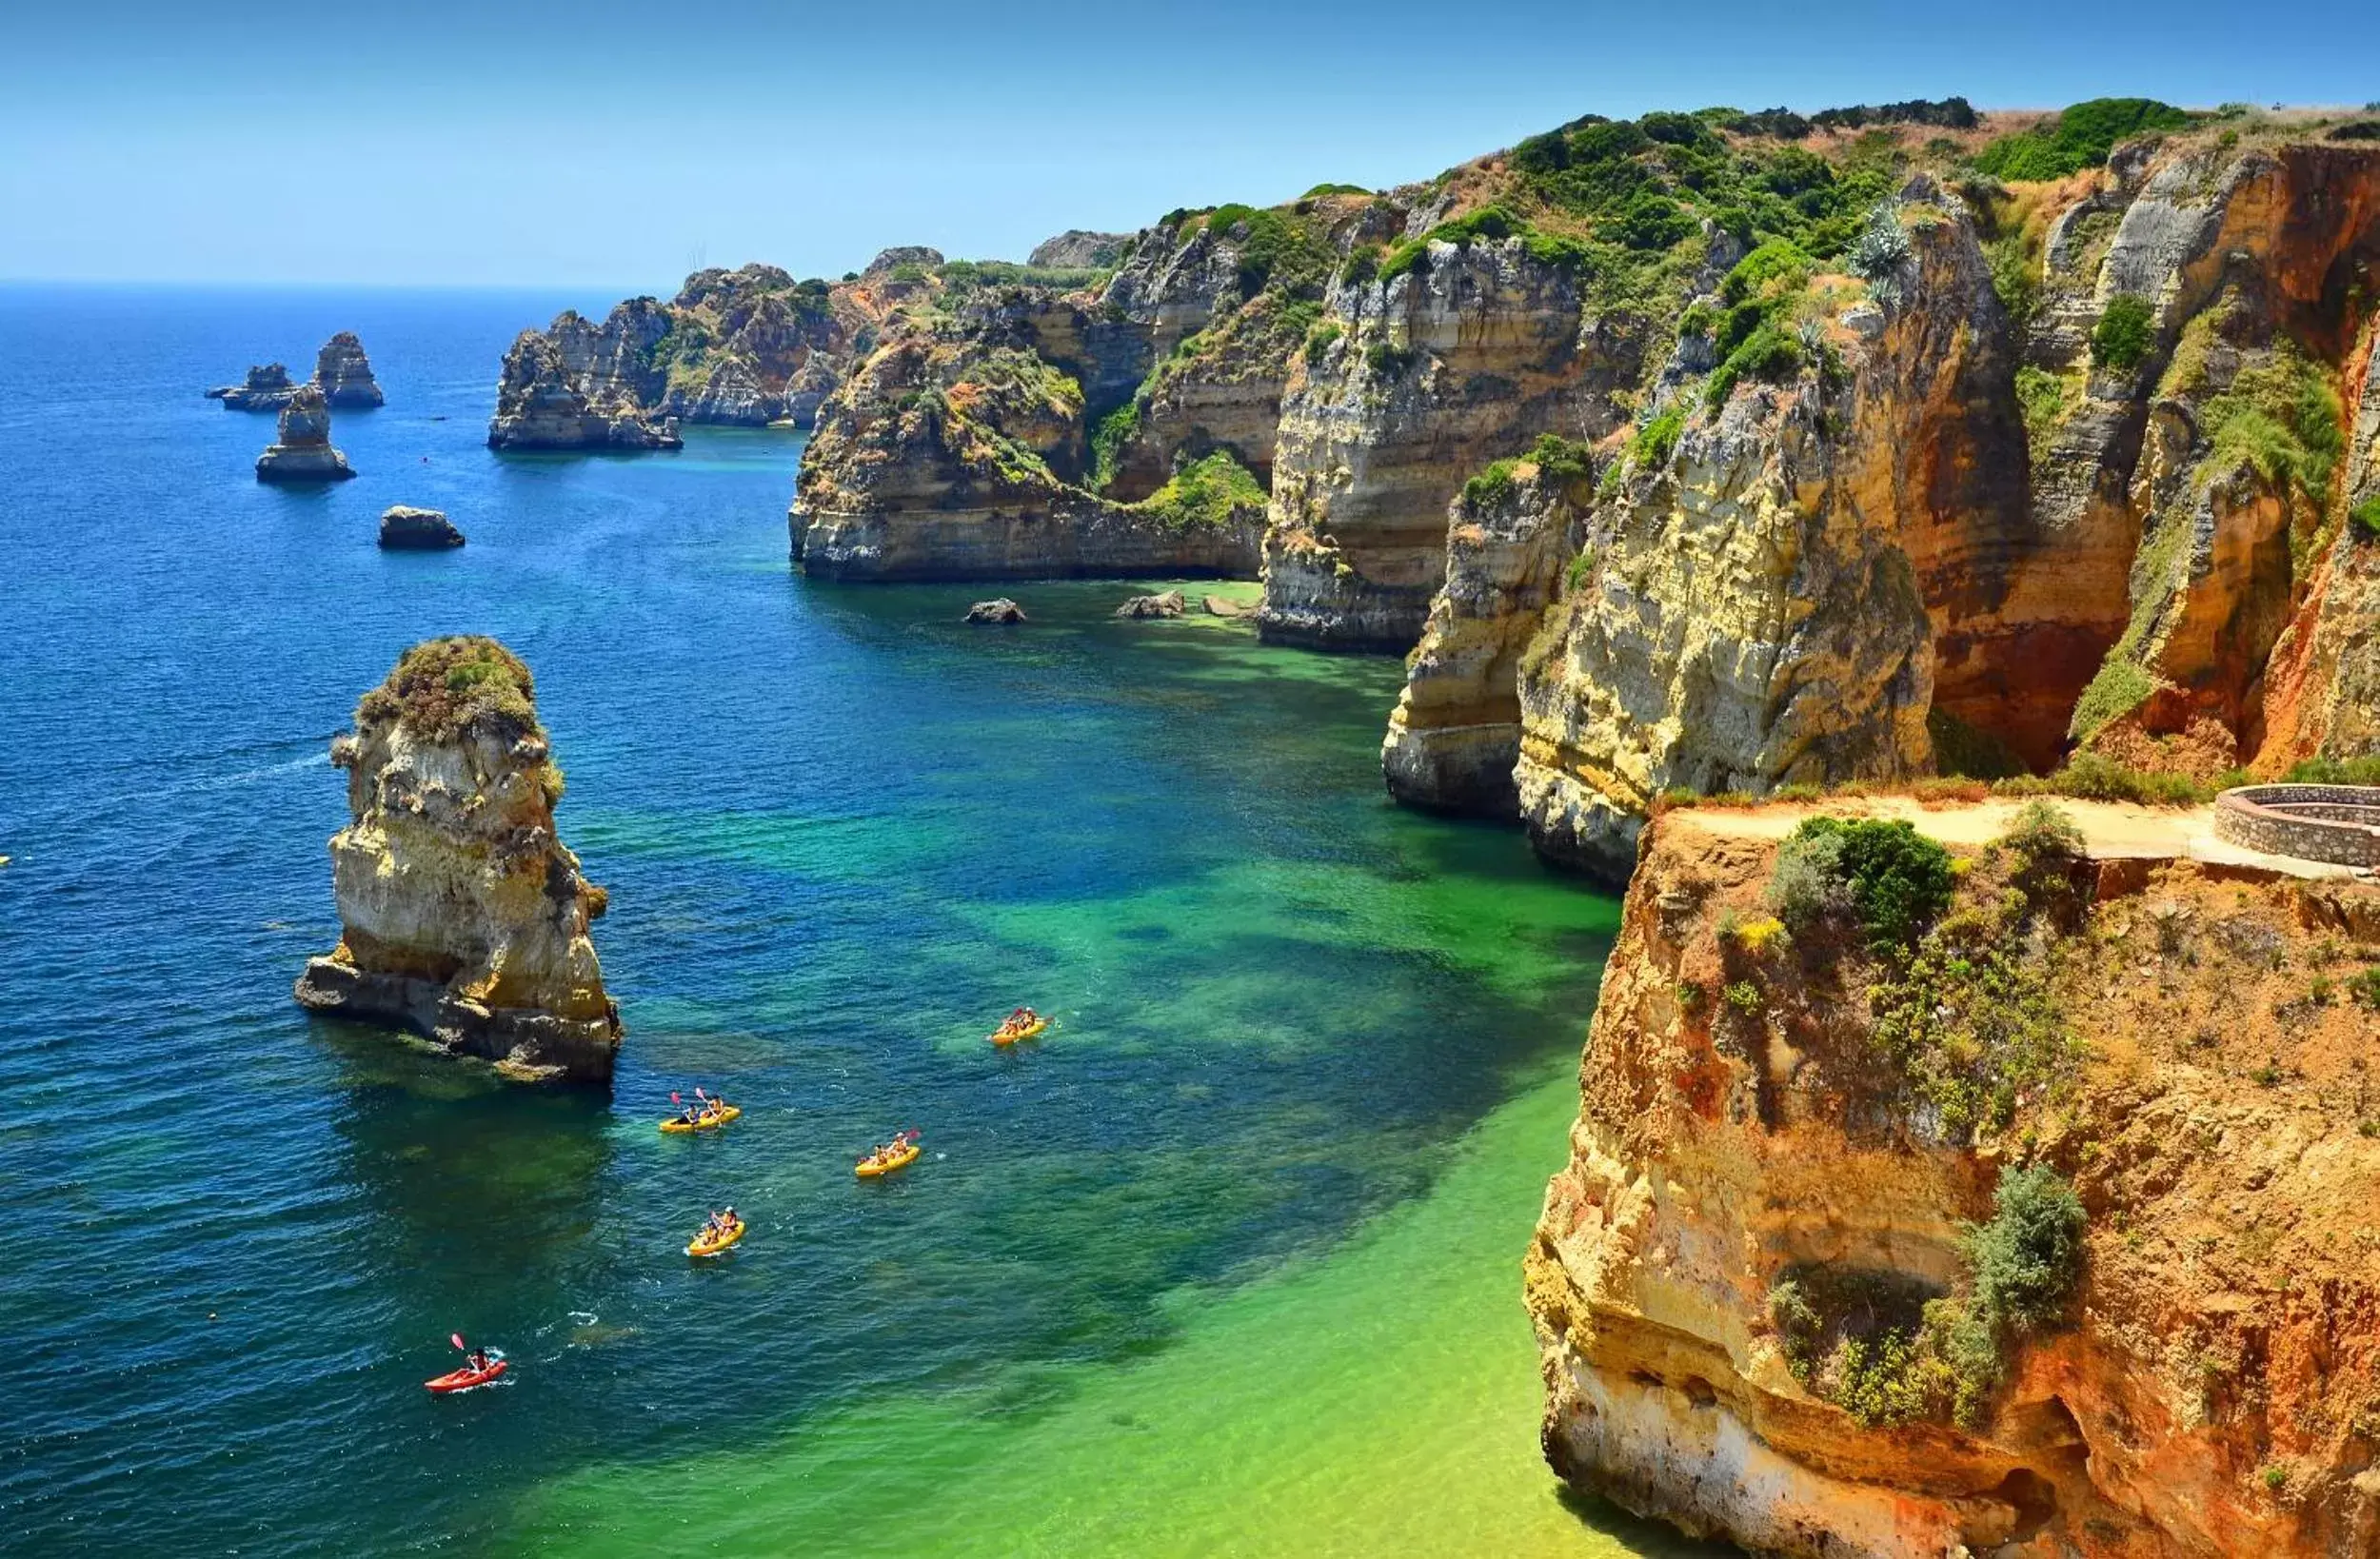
<point x="1228" y="1263"/>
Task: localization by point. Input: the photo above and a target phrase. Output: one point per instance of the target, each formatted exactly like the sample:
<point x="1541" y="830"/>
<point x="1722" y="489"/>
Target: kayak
<point x="867" y="1168"/>
<point x="1009" y="1037"/>
<point x="467" y="1378"/>
<point x="709" y="1120"/>
<point x="713" y="1244"/>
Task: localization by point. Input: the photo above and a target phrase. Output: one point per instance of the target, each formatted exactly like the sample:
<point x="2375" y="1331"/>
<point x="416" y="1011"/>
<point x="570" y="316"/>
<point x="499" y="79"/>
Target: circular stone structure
<point x="2336" y="823"/>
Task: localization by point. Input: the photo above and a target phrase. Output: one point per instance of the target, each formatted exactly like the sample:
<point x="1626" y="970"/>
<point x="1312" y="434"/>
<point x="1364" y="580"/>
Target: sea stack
<point x="404" y="528"/>
<point x="266" y="388"/>
<point x="538" y="407"/>
<point x="303" y="452"/>
<point x="345" y="374"/>
<point x="463" y="918"/>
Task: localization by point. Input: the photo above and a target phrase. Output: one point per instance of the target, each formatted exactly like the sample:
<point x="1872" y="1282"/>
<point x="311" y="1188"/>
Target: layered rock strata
<point x="302" y="452"/>
<point x="404" y="528"/>
<point x="1077" y="250"/>
<point x="462" y="917"/>
<point x="268" y="387"/>
<point x="539" y="407"/>
<point x="343" y="374"/>
<point x="1465" y="357"/>
<point x="1730" y="1270"/>
<point x="1455" y="737"/>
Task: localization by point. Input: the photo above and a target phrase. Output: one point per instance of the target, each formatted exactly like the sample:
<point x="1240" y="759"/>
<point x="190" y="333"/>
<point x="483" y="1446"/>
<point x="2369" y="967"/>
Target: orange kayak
<point x="465" y="1379"/>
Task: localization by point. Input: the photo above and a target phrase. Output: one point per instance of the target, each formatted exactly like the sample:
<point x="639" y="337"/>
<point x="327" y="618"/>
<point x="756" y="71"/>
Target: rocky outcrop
<point x="463" y="918"/>
<point x="540" y="408"/>
<point x="1455" y="735"/>
<point x="302" y="452"/>
<point x="1747" y="1274"/>
<point x="904" y="256"/>
<point x="404" y="528"/>
<point x="1076" y="249"/>
<point x="343" y="374"/>
<point x="1462" y="358"/>
<point x="268" y="387"/>
<point x="998" y="613"/>
<point x="1163" y="604"/>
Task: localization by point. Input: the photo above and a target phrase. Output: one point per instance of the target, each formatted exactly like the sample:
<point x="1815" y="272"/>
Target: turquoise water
<point x="1230" y="1259"/>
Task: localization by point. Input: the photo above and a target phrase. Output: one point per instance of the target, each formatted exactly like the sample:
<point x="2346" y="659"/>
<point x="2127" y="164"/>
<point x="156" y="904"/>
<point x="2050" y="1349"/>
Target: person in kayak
<point x="478" y="1360"/>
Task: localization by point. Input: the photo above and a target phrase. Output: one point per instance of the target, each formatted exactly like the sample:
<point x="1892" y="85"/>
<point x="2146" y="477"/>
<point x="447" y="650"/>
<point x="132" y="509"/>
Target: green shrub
<point x="2121" y="338"/>
<point x="1208" y="492"/>
<point x="2281" y="417"/>
<point x="2028" y="1260"/>
<point x="1767" y="354"/>
<point x="2364" y="989"/>
<point x="1116" y="430"/>
<point x="1490" y="485"/>
<point x="1563" y="462"/>
<point x="2045" y="845"/>
<point x="2094" y="777"/>
<point x="1743" y="997"/>
<point x="1778" y="261"/>
<point x="1386" y="362"/>
<point x="1320" y="189"/>
<point x="445" y="688"/>
<point x="1657" y="440"/>
<point x="2335" y="771"/>
<point x="1362" y="264"/>
<point x="1898" y="877"/>
<point x="1581" y="568"/>
<point x="2016" y="278"/>
<point x="2041" y="396"/>
<point x="2080" y="137"/>
<point x="1808" y="883"/>
<point x="2365" y="517"/>
<point x="1319" y="340"/>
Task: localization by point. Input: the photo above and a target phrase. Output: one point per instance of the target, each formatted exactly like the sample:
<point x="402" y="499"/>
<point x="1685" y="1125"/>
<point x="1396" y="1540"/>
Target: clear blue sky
<point x="443" y="142"/>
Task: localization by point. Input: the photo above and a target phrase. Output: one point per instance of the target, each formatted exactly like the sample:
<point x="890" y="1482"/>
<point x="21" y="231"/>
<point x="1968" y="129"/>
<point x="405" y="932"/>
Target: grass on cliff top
<point x="1205" y="493"/>
<point x="2080" y="137"/>
<point x="445" y="689"/>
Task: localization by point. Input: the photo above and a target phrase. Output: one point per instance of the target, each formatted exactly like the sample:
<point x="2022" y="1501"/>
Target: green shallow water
<point x="1228" y="1262"/>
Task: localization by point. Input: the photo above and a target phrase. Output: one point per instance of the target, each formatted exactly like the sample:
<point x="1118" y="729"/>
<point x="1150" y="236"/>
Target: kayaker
<point x="478" y="1360"/>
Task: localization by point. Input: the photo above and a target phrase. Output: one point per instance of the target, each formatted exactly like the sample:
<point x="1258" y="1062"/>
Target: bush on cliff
<point x="2028" y="1260"/>
<point x="2080" y="137"/>
<point x="1207" y="492"/>
<point x="2283" y="418"/>
<point x="2365" y="517"/>
<point x="2121" y="338"/>
<point x="1898" y="879"/>
<point x="445" y="689"/>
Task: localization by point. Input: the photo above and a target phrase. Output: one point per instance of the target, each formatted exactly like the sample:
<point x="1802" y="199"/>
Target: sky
<point x="436" y="142"/>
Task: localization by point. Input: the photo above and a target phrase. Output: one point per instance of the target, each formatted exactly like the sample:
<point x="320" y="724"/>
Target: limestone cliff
<point x="1778" y="1300"/>
<point x="462" y="917"/>
<point x="343" y="374"/>
<point x="539" y="405"/>
<point x="1455" y="737"/>
<point x="302" y="452"/>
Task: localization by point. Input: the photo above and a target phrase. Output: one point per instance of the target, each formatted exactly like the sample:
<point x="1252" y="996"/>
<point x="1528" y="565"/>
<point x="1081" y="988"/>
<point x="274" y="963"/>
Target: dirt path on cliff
<point x="2113" y="830"/>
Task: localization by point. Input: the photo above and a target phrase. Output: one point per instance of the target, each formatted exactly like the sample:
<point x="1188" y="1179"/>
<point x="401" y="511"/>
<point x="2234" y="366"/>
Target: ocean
<point x="1228" y="1263"/>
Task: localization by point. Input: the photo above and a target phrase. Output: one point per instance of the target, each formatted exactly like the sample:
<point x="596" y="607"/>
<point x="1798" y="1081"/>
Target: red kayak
<point x="465" y="1379"/>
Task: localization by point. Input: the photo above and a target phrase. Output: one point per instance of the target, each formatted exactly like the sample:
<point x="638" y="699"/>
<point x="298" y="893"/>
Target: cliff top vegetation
<point x="444" y="689"/>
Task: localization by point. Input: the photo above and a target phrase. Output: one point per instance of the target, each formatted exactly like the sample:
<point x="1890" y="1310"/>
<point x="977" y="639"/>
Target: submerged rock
<point x="463" y="918"/>
<point x="1003" y="610"/>
<point x="345" y="374"/>
<point x="303" y="451"/>
<point x="1224" y="606"/>
<point x="404" y="528"/>
<point x="268" y="387"/>
<point x="538" y="407"/>
<point x="1165" y="603"/>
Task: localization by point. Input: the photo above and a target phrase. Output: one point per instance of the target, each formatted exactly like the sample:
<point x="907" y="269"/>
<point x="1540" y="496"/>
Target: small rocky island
<point x="538" y="407"/>
<point x="303" y="452"/>
<point x="268" y="387"/>
<point x="404" y="528"/>
<point x="463" y="918"/>
<point x="345" y="374"/>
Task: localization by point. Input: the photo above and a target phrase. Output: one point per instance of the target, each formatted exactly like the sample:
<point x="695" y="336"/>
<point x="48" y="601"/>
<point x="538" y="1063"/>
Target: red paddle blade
<point x="457" y="1340"/>
<point x="673" y="1095"/>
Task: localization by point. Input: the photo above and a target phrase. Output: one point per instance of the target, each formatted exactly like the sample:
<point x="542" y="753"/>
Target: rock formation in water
<point x="302" y="451"/>
<point x="462" y="917"/>
<point x="404" y="528"/>
<point x="539" y="405"/>
<point x="268" y="387"/>
<point x="1163" y="604"/>
<point x="1811" y="1281"/>
<point x="1076" y="249"/>
<point x="998" y="613"/>
<point x="343" y="374"/>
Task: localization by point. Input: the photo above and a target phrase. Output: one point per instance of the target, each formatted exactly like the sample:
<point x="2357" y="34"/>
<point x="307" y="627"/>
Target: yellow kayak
<point x="870" y="1167"/>
<point x="712" y="1244"/>
<point x="1009" y="1037"/>
<point x="709" y="1120"/>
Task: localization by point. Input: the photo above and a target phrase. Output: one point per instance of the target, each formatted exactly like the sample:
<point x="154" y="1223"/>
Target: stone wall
<point x="2311" y="822"/>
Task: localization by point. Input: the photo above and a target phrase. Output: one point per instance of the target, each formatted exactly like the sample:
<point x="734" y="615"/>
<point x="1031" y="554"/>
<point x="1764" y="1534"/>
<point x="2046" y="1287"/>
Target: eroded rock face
<point x="268" y="387"/>
<point x="1456" y="734"/>
<point x="303" y="451"/>
<point x="2207" y="1392"/>
<point x="1077" y="249"/>
<point x="404" y="528"/>
<point x="1436" y="372"/>
<point x="343" y="374"/>
<point x="462" y="917"/>
<point x="539" y="405"/>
